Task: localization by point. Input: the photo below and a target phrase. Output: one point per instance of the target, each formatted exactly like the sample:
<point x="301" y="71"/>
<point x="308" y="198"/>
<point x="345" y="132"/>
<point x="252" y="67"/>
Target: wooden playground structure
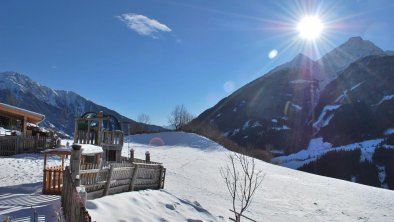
<point x="96" y="166"/>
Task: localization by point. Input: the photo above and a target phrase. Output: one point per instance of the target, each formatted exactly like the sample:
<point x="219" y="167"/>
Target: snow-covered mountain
<point x="60" y="107"/>
<point x="341" y="57"/>
<point x="332" y="63"/>
<point x="345" y="97"/>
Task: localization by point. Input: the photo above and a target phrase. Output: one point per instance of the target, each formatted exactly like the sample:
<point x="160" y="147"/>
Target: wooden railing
<point x="108" y="138"/>
<point x="53" y="180"/>
<point x="112" y="138"/>
<point x="121" y="177"/>
<point x="11" y="145"/>
<point x="73" y="208"/>
<point x="87" y="137"/>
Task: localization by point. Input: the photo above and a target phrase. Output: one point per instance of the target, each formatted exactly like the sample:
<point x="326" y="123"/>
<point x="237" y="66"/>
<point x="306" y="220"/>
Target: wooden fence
<point x="53" y="180"/>
<point x="73" y="207"/>
<point x="11" y="145"/>
<point x="120" y="177"/>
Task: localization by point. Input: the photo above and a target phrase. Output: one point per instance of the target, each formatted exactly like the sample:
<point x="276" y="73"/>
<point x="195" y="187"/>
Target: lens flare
<point x="272" y="54"/>
<point x="156" y="141"/>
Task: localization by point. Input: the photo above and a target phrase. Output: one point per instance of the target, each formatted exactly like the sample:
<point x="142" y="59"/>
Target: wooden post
<point x="131" y="155"/>
<point x="45" y="160"/>
<point x="100" y="126"/>
<point x="24" y="125"/>
<point x="62" y="162"/>
<point x="135" y="173"/>
<point x="108" y="183"/>
<point x="88" y="133"/>
<point x="161" y="186"/>
<point x="45" y="175"/>
<point x="76" y="130"/>
<point x="75" y="160"/>
<point x="147" y="157"/>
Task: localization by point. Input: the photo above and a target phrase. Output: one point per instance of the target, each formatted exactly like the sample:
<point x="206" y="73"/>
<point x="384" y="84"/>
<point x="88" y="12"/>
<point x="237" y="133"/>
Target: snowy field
<point x="20" y="189"/>
<point x="194" y="190"/>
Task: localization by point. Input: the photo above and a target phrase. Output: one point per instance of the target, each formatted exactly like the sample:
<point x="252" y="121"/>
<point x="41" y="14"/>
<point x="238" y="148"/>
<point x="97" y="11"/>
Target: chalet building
<point x="19" y="132"/>
<point x="15" y="121"/>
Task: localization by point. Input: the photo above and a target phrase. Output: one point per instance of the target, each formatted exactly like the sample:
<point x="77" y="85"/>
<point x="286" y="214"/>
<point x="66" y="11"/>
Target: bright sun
<point x="310" y="27"/>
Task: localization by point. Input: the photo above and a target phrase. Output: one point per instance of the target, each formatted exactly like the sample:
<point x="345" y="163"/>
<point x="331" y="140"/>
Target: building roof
<point x="32" y="117"/>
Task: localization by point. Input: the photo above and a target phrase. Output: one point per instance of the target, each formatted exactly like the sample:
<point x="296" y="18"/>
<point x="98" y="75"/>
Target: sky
<point x="149" y="56"/>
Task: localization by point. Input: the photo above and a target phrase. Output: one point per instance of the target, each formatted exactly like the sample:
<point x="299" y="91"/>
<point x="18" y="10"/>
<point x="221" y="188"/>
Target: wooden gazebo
<point x="53" y="175"/>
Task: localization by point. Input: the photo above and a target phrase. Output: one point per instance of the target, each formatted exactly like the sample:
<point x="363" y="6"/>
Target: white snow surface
<point x="20" y="188"/>
<point x="297" y="107"/>
<point x="389" y="131"/>
<point x="246" y="125"/>
<point x="318" y="148"/>
<point x="300" y="81"/>
<point x="194" y="190"/>
<point x="89" y="149"/>
<point x="323" y="119"/>
<point x="385" y="98"/>
<point x="284" y="127"/>
<point x="256" y="124"/>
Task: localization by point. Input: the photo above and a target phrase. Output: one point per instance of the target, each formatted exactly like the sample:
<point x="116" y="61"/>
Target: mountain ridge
<point x="284" y="109"/>
<point x="59" y="106"/>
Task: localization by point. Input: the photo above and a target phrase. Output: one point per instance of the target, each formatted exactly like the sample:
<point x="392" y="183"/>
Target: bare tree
<point x="242" y="185"/>
<point x="141" y="124"/>
<point x="179" y="117"/>
<point x="143" y="118"/>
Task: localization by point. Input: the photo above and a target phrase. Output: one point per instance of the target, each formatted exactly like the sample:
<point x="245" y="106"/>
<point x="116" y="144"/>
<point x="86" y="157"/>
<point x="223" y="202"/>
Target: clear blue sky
<point x="148" y="56"/>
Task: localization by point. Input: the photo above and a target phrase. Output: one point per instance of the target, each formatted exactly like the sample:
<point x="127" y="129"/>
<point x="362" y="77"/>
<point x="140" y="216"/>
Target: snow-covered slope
<point x="194" y="190"/>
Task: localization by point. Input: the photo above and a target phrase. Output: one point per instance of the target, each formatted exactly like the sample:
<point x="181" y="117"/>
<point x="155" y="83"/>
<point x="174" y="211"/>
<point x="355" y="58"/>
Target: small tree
<point x="242" y="185"/>
<point x="179" y="117"/>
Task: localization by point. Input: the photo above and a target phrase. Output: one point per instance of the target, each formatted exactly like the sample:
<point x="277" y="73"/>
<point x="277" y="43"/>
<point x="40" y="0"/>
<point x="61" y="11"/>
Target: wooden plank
<point x="107" y="186"/>
<point x="95" y="194"/>
<point x="91" y="171"/>
<point x="49" y="181"/>
<point x="131" y="187"/>
<point x="119" y="189"/>
<point x="160" y="177"/>
<point x="44" y="181"/>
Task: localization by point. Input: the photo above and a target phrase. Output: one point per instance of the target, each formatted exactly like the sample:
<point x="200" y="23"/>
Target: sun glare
<point x="310" y="27"/>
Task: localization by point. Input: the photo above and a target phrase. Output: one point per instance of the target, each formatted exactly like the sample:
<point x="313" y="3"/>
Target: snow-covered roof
<point x="87" y="149"/>
<point x="90" y="149"/>
<point x="60" y="150"/>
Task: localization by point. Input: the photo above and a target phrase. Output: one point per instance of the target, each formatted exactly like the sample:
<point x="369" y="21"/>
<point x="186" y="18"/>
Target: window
<point x="111" y="155"/>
